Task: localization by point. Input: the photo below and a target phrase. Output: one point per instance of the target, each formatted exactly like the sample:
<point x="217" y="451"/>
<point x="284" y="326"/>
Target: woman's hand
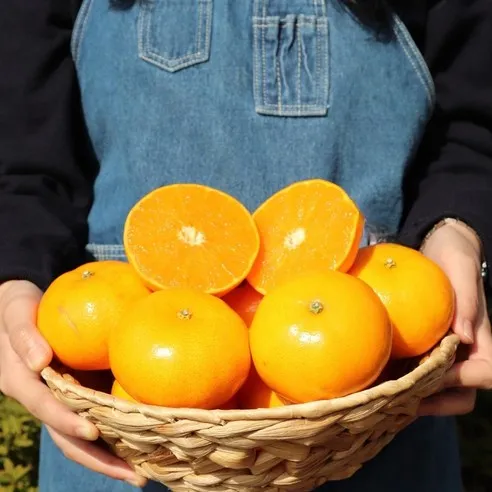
<point x="458" y="251"/>
<point x="23" y="354"/>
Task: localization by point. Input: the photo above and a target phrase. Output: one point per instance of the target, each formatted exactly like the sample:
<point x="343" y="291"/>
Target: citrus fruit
<point x="256" y="394"/>
<point x="80" y="307"/>
<point x="320" y="336"/>
<point x="244" y="300"/>
<point x="119" y="392"/>
<point x="416" y="292"/>
<point x="310" y="225"/>
<point x="181" y="348"/>
<point x="191" y="236"/>
<point x="230" y="404"/>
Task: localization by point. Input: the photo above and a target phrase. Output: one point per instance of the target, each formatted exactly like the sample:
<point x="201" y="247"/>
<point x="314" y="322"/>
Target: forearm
<point x="44" y="188"/>
<point x="451" y="175"/>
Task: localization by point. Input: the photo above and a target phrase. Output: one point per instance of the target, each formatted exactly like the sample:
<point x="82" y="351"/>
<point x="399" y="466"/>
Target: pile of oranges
<point x="218" y="307"/>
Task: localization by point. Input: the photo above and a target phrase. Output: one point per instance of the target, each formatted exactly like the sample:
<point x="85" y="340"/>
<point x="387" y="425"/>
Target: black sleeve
<point x="45" y="175"/>
<point x="452" y="172"/>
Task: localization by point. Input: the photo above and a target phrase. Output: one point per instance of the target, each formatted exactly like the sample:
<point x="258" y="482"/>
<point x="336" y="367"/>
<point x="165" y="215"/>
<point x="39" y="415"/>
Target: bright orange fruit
<point x="231" y="404"/>
<point x="244" y="300"/>
<point x="416" y="292"/>
<point x="320" y="336"/>
<point x="79" y="309"/>
<point x="119" y="392"/>
<point x="308" y="226"/>
<point x="191" y="236"/>
<point x="256" y="394"/>
<point x="181" y="348"/>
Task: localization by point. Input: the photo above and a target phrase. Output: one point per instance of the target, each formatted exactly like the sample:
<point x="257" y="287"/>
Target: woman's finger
<point x="463" y="275"/>
<point x="452" y="249"/>
<point x="473" y="373"/>
<point x="24" y="386"/>
<point x="19" y="307"/>
<point x="450" y="402"/>
<point x="95" y="458"/>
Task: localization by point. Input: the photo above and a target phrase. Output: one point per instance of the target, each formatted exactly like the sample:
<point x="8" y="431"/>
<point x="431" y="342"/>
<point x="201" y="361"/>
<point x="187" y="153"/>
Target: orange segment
<point x="191" y="236"/>
<point x="308" y="226"/>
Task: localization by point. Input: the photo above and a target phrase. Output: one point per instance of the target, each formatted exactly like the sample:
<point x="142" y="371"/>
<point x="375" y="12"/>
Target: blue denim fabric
<point x="248" y="97"/>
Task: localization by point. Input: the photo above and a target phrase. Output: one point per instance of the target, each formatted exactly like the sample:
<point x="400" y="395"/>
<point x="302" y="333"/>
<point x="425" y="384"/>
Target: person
<point x="102" y="101"/>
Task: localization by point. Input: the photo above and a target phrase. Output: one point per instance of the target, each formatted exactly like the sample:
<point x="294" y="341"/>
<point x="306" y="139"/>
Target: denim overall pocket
<point x="291" y="59"/>
<point x="174" y="34"/>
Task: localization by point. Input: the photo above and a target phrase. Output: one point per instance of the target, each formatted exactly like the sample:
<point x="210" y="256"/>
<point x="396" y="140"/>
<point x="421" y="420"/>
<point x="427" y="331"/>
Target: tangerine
<point x="319" y="336"/>
<point x="416" y="292"/>
<point x="80" y="307"/>
<point x="244" y="300"/>
<point x="118" y="391"/>
<point x="181" y="348"/>
<point x="256" y="394"/>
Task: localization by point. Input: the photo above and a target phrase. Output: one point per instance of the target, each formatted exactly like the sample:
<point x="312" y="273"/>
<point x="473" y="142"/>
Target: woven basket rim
<point x="441" y="355"/>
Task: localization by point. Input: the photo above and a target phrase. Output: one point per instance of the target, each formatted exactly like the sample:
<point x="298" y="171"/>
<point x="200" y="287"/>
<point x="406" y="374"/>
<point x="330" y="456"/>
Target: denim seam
<point x="263" y="64"/>
<point x="292" y="110"/>
<point x="256" y="62"/>
<point x="263" y="22"/>
<point x="415" y="58"/>
<point x="318" y="66"/>
<point x="147" y="53"/>
<point x="106" y="251"/>
<point x="307" y="21"/>
<point x="79" y="29"/>
<point x="299" y="65"/>
<point x="199" y="33"/>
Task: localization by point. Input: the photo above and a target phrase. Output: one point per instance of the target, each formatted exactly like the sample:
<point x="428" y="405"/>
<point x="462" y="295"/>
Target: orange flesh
<point x="309" y="226"/>
<point x="191" y="236"/>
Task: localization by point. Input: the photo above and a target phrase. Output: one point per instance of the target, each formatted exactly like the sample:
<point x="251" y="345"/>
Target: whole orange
<point x="79" y="309"/>
<point x="244" y="300"/>
<point x="320" y="336"/>
<point x="119" y="392"/>
<point x="416" y="292"/>
<point x="231" y="404"/>
<point x="181" y="348"/>
<point x="256" y="394"/>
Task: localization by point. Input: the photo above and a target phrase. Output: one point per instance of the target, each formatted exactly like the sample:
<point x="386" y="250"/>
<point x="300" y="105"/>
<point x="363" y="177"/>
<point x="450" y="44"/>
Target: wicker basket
<point x="296" y="447"/>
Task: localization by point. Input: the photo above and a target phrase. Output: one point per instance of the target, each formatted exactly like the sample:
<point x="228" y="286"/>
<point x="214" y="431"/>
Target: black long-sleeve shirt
<point x="46" y="175"/>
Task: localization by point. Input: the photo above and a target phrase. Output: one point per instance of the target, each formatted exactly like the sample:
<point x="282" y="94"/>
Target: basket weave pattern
<point x="296" y="447"/>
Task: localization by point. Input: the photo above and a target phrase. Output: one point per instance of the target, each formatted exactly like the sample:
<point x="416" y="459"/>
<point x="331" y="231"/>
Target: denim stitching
<point x="323" y="26"/>
<point x="199" y="33"/>
<point x="256" y="63"/>
<point x="299" y="64"/>
<point x="107" y="251"/>
<point x="318" y="66"/>
<point x="263" y="22"/>
<point x="279" y="86"/>
<point x="263" y="65"/>
<point x="80" y="29"/>
<point x="415" y="58"/>
<point x="166" y="62"/>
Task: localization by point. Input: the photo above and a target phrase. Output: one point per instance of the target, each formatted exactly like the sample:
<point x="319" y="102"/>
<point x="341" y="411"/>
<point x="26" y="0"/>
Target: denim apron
<point x="248" y="96"/>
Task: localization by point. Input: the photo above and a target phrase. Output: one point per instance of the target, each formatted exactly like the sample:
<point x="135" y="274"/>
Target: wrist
<point x="466" y="232"/>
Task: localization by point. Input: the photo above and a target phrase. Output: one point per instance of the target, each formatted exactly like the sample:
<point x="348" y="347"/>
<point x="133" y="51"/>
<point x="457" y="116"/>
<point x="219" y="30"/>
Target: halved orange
<point x="309" y="226"/>
<point x="191" y="236"/>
